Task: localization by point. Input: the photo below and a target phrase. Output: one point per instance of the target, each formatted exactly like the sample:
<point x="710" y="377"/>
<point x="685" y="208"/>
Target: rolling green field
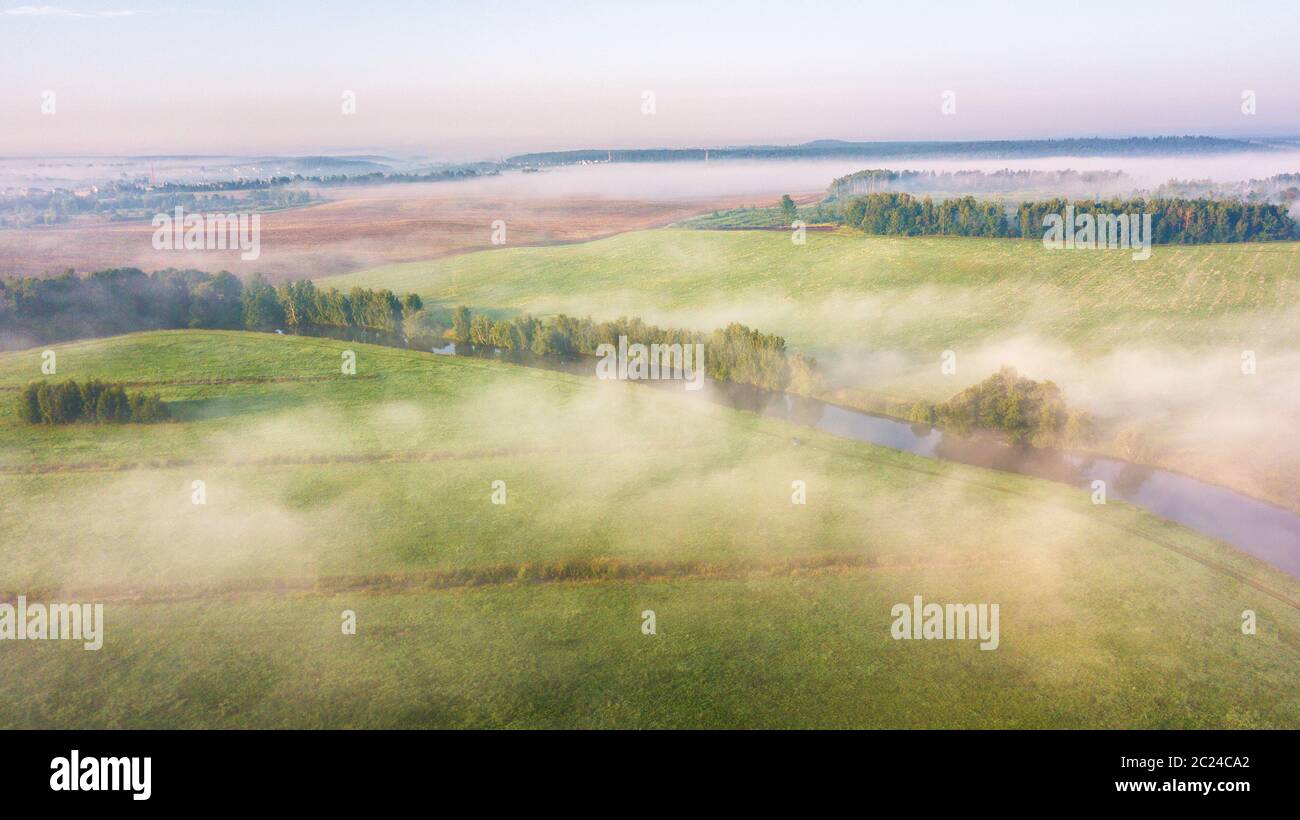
<point x="845" y="290"/>
<point x="1155" y="346"/>
<point x="373" y="493"/>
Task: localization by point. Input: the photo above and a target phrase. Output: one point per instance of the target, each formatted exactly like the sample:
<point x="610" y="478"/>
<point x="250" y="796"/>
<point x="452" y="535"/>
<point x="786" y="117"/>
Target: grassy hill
<point x="372" y="493"/>
<point x="847" y="290"/>
<point x="1153" y="345"/>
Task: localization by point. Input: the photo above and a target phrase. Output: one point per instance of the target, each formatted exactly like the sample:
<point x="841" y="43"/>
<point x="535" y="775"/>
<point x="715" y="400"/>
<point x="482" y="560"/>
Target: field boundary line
<point x="320" y="459"/>
<point x="585" y="570"/>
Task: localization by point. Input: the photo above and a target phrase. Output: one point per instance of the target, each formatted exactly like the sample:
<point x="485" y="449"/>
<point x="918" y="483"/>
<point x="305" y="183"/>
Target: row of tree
<point x="1005" y="181"/>
<point x="124" y="300"/>
<point x="93" y="401"/>
<point x="37" y="310"/>
<point x="735" y="353"/>
<point x="56" y="207"/>
<point x="1283" y="189"/>
<point x="1176" y="221"/>
<point x="970" y="149"/>
<point x="1173" y="221"/>
<point x="140" y="198"/>
<point x="903" y="214"/>
<point x="303" y="305"/>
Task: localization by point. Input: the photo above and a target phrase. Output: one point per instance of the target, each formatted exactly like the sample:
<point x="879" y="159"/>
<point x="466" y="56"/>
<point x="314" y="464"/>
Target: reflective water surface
<point x="1267" y="532"/>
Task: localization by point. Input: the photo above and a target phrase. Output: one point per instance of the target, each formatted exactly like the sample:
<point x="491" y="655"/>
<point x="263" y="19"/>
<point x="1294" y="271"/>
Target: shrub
<point x="29" y="405"/>
<point x="147" y="408"/>
<point x="921" y="413"/>
<point x="1022" y="410"/>
<point x="113" y="406"/>
<point x="64" y="402"/>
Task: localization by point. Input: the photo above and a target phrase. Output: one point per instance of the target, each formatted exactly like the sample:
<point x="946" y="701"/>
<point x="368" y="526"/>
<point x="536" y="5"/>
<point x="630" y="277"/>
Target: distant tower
<point x="706" y="155"/>
<point x="609" y="156"/>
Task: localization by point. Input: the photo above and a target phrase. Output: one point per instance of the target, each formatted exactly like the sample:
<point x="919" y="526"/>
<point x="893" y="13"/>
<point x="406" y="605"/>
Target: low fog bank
<point x="1191" y="409"/>
<point x="1184" y="404"/>
<point x="592" y="469"/>
<point x="684" y="180"/>
<point x="667" y="180"/>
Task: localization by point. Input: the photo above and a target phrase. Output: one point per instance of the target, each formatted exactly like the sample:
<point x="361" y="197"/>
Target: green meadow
<point x="846" y="290"/>
<point x="374" y="493"/>
<point x="1154" y="347"/>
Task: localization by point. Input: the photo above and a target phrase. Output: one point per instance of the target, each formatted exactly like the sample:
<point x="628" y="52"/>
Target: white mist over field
<point x="683" y="180"/>
<point x="641" y="180"/>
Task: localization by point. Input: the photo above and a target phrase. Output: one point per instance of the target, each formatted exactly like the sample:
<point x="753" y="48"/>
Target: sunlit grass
<point x="769" y="613"/>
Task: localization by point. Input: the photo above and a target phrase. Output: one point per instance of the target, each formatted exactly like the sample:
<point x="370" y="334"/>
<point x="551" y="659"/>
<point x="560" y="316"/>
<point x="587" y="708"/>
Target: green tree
<point x="460" y="324"/>
<point x="480" y="330"/>
<point x="113" y="406"/>
<point x="218" y="303"/>
<point x="29" y="405"/>
<point x="262" y="309"/>
<point x="789" y="211"/>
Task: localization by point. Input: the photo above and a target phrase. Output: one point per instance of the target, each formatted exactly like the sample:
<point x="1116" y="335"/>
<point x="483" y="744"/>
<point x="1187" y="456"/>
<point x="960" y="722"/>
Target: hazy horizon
<point x="405" y="155"/>
<point x="483" y="80"/>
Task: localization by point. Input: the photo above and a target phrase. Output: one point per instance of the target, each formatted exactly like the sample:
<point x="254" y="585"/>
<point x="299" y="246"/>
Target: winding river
<point x="1269" y="533"/>
<point x="1260" y="529"/>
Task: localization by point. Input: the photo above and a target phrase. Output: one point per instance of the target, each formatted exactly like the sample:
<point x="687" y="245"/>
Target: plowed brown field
<point x="363" y="228"/>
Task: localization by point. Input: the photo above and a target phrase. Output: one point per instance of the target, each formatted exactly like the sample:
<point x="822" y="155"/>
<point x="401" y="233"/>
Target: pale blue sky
<point x="481" y="78"/>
